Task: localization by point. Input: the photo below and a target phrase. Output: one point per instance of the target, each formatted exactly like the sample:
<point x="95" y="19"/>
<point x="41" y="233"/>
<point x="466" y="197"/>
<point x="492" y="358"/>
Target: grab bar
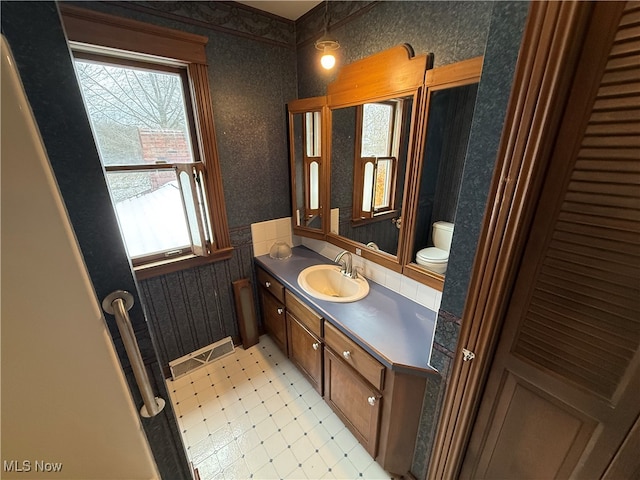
<point x="118" y="303"/>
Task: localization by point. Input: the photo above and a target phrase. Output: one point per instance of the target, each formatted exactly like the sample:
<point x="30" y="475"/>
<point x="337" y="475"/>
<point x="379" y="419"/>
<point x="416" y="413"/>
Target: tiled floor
<point x="253" y="415"/>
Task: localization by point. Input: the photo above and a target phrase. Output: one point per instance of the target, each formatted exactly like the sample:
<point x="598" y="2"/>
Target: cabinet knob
<point x="280" y="311"/>
<point x="346" y="354"/>
<point x="372" y="401"/>
<point x="316" y="346"/>
<point x="267" y="284"/>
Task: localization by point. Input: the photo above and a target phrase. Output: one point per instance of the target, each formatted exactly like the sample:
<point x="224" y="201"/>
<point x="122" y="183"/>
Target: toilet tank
<point x="442" y="235"/>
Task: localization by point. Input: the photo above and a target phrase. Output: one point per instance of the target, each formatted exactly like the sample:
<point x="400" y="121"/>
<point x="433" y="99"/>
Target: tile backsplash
<point x="265" y="234"/>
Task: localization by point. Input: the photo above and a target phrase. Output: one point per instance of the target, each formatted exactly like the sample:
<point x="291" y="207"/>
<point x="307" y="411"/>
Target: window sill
<point x="163" y="267"/>
<point x="356" y="222"/>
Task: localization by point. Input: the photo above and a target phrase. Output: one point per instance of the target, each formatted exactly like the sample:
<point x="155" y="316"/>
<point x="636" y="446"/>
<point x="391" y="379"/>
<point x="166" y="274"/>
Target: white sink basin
<point x="326" y="282"/>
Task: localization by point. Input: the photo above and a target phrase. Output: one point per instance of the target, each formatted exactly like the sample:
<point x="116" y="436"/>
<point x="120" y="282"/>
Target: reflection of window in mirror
<point x="306" y="151"/>
<point x="378" y="138"/>
<point x="312" y="160"/>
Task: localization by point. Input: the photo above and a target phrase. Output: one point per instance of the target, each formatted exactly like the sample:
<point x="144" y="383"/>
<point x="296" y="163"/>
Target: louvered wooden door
<point x="563" y="392"/>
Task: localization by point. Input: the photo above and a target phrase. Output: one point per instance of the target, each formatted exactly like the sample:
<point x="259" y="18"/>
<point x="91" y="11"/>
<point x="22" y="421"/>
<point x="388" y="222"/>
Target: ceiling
<point x="291" y="9"/>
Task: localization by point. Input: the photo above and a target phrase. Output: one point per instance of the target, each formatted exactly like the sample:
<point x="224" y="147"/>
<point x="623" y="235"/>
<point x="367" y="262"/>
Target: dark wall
<point x="493" y="95"/>
<point x="452" y="30"/>
<point x="460" y="104"/>
<point x="503" y="44"/>
<point x="251" y="60"/>
<point x="449" y="125"/>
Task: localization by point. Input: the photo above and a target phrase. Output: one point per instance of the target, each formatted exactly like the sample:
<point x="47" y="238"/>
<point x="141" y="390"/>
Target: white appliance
<point x="436" y="258"/>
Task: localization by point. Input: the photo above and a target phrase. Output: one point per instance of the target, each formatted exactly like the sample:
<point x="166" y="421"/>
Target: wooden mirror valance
<point x="393" y="72"/>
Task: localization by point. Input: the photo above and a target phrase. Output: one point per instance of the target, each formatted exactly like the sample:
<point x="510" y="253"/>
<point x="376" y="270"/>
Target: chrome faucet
<point x="344" y="258"/>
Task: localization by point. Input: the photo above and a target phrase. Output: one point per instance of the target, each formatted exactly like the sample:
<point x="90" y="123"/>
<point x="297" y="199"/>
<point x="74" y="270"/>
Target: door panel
<point x="305" y="350"/>
<point x="348" y="395"/>
<point x="524" y="421"/>
<point x="562" y="391"/>
<point x="274" y="319"/>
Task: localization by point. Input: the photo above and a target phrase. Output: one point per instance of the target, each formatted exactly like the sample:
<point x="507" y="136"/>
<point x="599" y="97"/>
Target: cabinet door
<point x="354" y="401"/>
<point x="305" y="350"/>
<point x="273" y="314"/>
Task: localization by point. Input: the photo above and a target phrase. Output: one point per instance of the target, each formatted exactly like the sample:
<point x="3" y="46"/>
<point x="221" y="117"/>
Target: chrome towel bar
<point x="118" y="303"/>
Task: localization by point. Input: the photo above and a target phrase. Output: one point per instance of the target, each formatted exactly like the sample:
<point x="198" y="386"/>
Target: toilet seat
<point x="433" y="259"/>
<point x="432" y="255"/>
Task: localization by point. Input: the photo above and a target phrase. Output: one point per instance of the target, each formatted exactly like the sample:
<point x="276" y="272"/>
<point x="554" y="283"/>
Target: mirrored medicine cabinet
<point x="378" y="160"/>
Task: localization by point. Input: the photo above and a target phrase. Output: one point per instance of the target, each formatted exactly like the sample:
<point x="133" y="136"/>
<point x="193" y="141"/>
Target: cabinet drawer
<point x="354" y="355"/>
<point x="271" y="284"/>
<point x="304" y="314"/>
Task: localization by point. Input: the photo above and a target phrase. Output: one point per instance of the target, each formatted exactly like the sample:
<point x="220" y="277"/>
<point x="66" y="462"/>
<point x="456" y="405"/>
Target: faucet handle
<point x="354" y="272"/>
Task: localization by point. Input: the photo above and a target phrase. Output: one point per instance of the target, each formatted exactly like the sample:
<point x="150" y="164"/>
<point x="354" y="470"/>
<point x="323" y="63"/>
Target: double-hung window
<point x="376" y="163"/>
<point x="150" y="111"/>
<point x="143" y="125"/>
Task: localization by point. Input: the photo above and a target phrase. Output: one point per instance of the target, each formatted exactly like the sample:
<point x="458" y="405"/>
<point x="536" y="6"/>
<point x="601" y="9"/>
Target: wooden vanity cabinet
<point x="380" y="406"/>
<point x="270" y="284"/>
<point x="294" y="327"/>
<point x="353" y="385"/>
<point x="307" y="317"/>
<point x="355" y="356"/>
<point x="275" y="320"/>
<point x="273" y="308"/>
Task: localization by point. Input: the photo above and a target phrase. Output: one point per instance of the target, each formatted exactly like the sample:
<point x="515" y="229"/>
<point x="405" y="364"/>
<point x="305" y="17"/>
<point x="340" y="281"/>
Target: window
<point x="376" y="162"/>
<point x="147" y="95"/>
<point x="143" y="126"/>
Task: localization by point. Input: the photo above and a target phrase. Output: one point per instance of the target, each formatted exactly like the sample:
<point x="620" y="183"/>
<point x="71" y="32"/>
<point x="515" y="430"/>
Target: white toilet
<point x="435" y="258"/>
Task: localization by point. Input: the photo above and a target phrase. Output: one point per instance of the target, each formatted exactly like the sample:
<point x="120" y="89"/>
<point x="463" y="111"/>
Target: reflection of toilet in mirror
<point x="435" y="258"/>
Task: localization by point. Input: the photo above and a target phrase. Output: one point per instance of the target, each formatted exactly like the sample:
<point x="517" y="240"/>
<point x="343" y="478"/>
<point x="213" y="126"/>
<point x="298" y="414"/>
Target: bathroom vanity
<point x="368" y="359"/>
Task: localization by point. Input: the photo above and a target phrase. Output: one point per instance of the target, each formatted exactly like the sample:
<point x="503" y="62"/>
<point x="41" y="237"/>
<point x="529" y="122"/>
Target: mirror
<point x="449" y="104"/>
<point x="369" y="154"/>
<point x="384" y="151"/>
<point x="307" y="147"/>
<point x="372" y="114"/>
